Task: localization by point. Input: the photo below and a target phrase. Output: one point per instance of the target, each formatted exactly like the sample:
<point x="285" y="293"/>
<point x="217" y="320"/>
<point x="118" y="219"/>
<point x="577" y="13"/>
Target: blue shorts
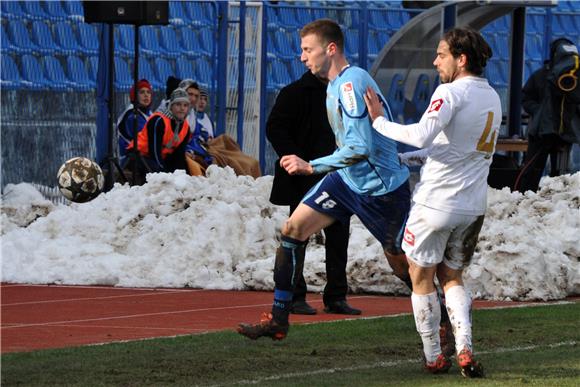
<point x="384" y="215"/>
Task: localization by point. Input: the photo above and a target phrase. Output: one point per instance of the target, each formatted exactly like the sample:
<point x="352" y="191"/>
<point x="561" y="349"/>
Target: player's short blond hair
<point x="328" y="31"/>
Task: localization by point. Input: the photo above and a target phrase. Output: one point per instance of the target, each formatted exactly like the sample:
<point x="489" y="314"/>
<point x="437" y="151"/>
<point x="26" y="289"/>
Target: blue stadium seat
<point x="66" y="38"/>
<point x="287" y="18"/>
<point x="125" y="40"/>
<point x="10" y="77"/>
<point x="283" y="46"/>
<point x="421" y="98"/>
<point x="78" y="74"/>
<point x="280" y="74"/>
<point x="32" y="74"/>
<point x="123" y="78"/>
<point x="169" y="42"/>
<point x="92" y="68"/>
<point x="535" y="22"/>
<point x="163" y="69"/>
<point x="55" y="74"/>
<point x="190" y="43"/>
<point x="6" y="45"/>
<point x="146" y="71"/>
<point x="88" y="38"/>
<point x="19" y="37"/>
<point x="195" y="12"/>
<point x="176" y="14"/>
<point x="378" y="20"/>
<point x="297" y="69"/>
<point x="42" y="37"/>
<point x="204" y="73"/>
<point x="207" y="41"/>
<point x="533" y="47"/>
<point x="272" y="17"/>
<point x="563" y="24"/>
<point x="184" y="68"/>
<point x="351" y="44"/>
<point x="11" y="10"/>
<point x="148" y="42"/>
<point x="303" y="16"/>
<point x="54" y="10"/>
<point x="396" y="97"/>
<point x="397" y="18"/>
<point x="74" y="10"/>
<point x="34" y="10"/>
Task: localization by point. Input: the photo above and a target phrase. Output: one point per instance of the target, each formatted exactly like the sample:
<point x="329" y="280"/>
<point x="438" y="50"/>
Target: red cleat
<point x="440" y="366"/>
<point x="266" y="328"/>
<point x="469" y="367"/>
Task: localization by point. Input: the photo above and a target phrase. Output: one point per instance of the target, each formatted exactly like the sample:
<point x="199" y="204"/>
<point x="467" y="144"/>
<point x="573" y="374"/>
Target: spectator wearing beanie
<point x="163" y="141"/>
<point x="126" y="121"/>
<point x="202" y="117"/>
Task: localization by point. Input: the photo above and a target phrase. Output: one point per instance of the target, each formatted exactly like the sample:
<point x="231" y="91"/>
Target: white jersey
<point x="460" y="127"/>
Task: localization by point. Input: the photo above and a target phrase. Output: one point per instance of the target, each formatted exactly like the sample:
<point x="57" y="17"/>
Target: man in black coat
<point x="298" y="124"/>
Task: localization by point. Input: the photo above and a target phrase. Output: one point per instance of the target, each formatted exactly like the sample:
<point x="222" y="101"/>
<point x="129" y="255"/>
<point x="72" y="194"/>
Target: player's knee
<point x="294" y="230"/>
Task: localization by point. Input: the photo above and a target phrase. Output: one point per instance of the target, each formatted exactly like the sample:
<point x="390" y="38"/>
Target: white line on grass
<point x="381" y="364"/>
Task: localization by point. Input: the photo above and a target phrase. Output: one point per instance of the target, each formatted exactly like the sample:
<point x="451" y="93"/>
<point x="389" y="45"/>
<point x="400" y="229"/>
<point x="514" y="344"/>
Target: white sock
<point x="459" y="308"/>
<point x="427" y="319"/>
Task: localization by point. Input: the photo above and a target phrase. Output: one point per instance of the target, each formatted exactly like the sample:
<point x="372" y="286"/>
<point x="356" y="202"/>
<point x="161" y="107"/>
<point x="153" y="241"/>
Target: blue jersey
<point x="366" y="161"/>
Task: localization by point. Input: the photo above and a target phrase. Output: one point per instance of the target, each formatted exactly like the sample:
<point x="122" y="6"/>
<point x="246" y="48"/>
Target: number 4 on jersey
<point x="483" y="145"/>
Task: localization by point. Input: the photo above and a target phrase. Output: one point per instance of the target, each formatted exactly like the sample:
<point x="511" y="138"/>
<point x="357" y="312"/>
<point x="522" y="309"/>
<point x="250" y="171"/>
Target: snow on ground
<point x="221" y="232"/>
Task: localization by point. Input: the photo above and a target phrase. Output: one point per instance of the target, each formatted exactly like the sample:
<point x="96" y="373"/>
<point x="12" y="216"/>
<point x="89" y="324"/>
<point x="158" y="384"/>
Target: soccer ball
<point x="80" y="179"/>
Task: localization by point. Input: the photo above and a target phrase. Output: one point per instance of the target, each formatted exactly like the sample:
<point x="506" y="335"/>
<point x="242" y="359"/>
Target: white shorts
<point x="433" y="236"/>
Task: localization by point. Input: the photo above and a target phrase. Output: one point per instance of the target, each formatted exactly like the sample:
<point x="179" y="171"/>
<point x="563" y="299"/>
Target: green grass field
<point x="532" y="346"/>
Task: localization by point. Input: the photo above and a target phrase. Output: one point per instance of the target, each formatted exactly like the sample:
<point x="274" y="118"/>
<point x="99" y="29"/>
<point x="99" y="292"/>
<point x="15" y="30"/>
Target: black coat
<point x="298" y="124"/>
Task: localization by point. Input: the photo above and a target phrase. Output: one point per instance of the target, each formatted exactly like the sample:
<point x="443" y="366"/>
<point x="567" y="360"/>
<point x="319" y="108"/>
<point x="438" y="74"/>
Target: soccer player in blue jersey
<point x="364" y="176"/>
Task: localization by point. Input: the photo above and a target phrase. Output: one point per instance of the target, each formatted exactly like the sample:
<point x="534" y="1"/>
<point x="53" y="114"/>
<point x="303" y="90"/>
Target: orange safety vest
<point x="170" y="140"/>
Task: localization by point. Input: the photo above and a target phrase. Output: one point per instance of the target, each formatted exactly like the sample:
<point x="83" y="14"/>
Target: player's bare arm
<point x="294" y="165"/>
<point x="374" y="104"/>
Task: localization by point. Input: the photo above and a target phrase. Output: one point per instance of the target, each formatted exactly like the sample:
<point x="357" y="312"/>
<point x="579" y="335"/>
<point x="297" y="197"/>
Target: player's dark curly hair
<point x="467" y="41"/>
<point x="327" y="30"/>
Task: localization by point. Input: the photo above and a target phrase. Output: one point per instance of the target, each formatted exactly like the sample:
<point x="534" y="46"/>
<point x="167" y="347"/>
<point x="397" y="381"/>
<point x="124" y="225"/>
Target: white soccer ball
<point x="80" y="179"/>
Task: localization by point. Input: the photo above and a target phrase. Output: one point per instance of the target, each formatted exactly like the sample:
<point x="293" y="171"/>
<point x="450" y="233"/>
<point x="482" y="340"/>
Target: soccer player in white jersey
<point x="458" y="133"/>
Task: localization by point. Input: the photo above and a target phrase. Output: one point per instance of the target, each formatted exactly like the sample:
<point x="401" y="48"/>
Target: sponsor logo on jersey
<point x="409" y="237"/>
<point x="348" y="97"/>
<point x="435" y="105"/>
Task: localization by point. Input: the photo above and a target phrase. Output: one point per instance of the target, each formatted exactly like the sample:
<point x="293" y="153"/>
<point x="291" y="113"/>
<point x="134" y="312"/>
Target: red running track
<point x="52" y="316"/>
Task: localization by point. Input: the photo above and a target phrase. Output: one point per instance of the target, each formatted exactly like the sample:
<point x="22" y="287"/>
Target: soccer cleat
<point x="440" y="366"/>
<point x="469" y="367"/>
<point x="447" y="339"/>
<point x="266" y="327"/>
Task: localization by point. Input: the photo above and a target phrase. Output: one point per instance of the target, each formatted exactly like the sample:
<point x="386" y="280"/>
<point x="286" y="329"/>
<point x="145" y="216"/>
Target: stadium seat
<point x="287" y="17"/>
<point x="535" y="22"/>
<point x="303" y="16"/>
<point x="204" y="73"/>
<point x="378" y="20"/>
<point x="272" y="17"/>
<point x="280" y="74"/>
<point x="11" y="10"/>
<point x="563" y="24"/>
<point x="421" y="98"/>
<point x="6" y="45"/>
<point x="92" y="68"/>
<point x="297" y="69"/>
<point x="207" y="41"/>
<point x="190" y="43"/>
<point x="10" y="78"/>
<point x="55" y="74"/>
<point x="195" y="12"/>
<point x="32" y="74"/>
<point x="184" y="68"/>
<point x="34" y="11"/>
<point x="54" y="10"/>
<point x="169" y="42"/>
<point x="351" y="44"/>
<point x="148" y="42"/>
<point x="283" y="46"/>
<point x="20" y="38"/>
<point x="125" y="40"/>
<point x="78" y="74"/>
<point x="397" y="18"/>
<point x="163" y="69"/>
<point x="396" y="97"/>
<point x="88" y="38"/>
<point x="123" y="77"/>
<point x="176" y="14"/>
<point x="74" y="10"/>
<point x="42" y="37"/>
<point x="65" y="38"/>
<point x="146" y="71"/>
<point x="533" y="47"/>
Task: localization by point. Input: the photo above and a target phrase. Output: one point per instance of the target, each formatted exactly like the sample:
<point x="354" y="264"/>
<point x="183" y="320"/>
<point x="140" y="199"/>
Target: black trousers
<point x="539" y="148"/>
<point x="336" y="246"/>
